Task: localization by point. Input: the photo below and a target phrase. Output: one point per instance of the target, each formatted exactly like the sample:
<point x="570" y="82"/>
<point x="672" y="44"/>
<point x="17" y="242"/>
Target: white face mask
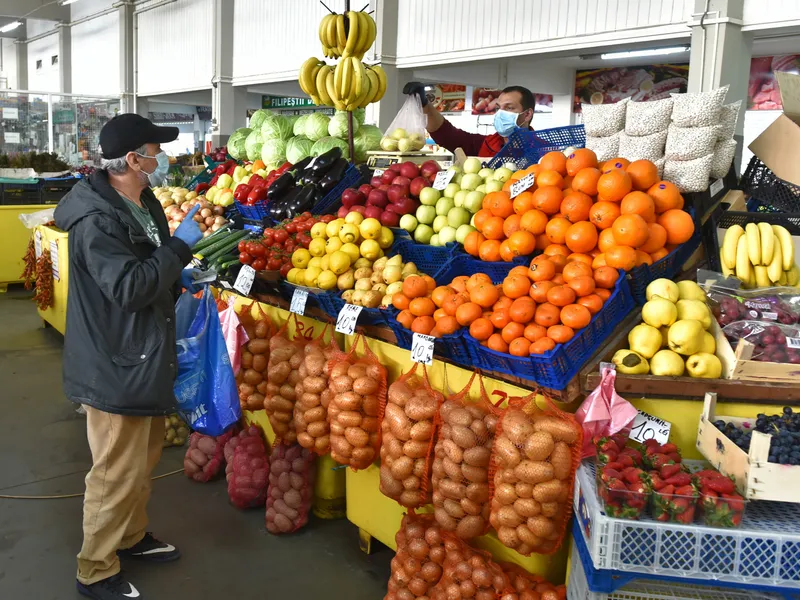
<point x="159" y="174"/>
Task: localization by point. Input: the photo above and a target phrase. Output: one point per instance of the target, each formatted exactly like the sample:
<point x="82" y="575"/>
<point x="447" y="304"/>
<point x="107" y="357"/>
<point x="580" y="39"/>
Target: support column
<point x="126" y="61"/>
<point x="65" y="58"/>
<point x="386" y="50"/>
<point x="22" y="65"/>
<point x="223" y="96"/>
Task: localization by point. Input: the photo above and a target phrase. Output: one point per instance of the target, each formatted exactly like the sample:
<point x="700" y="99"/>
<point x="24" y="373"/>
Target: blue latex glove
<point x="188" y="275"/>
<point x="189" y="230"/>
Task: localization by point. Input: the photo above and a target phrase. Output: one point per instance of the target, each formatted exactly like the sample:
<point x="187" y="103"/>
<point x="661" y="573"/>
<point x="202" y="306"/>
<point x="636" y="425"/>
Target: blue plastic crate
<point x="325" y="301"/>
<point x="377" y="317"/>
<point x="352" y="178"/>
<point x="556" y="368"/>
<point x="464" y="264"/>
<point x="525" y="148"/>
<point x="257" y="212"/>
<point x="452" y="347"/>
<point x="429" y="259"/>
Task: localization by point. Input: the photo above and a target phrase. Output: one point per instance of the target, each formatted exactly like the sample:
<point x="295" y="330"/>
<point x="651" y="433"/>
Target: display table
<point x="13" y="242"/>
<point x="55" y="240"/>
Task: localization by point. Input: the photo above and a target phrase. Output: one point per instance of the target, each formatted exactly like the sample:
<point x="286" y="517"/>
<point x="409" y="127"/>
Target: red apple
<point x="429" y="169"/>
<point x="378" y="198"/>
<point x="404" y="206"/>
<point x="416" y="186"/>
<point x="395" y="167"/>
<point x="352" y="196"/>
<point x="384" y="187"/>
<point x="373" y="212"/>
<point x="389" y="218"/>
<point x="359" y="208"/>
<point x="400" y="180"/>
<point x="388" y="176"/>
<point x="365" y="189"/>
<point x="342" y="212"/>
<point x="409" y="169"/>
<point x="375" y="181"/>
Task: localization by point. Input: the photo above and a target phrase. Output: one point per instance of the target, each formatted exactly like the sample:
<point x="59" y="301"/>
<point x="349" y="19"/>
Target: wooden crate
<point x="753" y="370"/>
<point x="756" y="478"/>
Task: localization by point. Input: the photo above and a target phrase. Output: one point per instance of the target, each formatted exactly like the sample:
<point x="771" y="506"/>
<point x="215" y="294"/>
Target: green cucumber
<point x="227" y="242"/>
<point x="219" y="234"/>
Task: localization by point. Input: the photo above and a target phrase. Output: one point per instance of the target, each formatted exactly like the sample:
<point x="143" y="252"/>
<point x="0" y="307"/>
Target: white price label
<point x="348" y="316"/>
<point x="378" y="172"/>
<point x="446" y="164"/>
<point x="9" y="137"/>
<point x="770" y="316"/>
<point x="298" y="304"/>
<point x="521" y="185"/>
<point x="244" y="281"/>
<point x="37" y="243"/>
<point x="422" y="348"/>
<point x="793" y="342"/>
<point x="10" y="114"/>
<point x="54" y="259"/>
<point x="442" y="179"/>
<point x="225" y="284"/>
<point x="716" y="187"/>
<point x="647" y="427"/>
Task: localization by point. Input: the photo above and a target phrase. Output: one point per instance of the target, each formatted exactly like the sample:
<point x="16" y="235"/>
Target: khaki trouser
<point x="124" y="452"/>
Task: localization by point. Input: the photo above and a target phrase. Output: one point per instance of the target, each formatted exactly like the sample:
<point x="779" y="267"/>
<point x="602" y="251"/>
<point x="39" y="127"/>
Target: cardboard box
<point x="777" y="145"/>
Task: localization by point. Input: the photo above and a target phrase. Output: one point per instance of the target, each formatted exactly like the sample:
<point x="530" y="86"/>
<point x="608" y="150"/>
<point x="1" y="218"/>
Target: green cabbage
<point x="324" y="144"/>
<point x="360" y="114"/>
<point x="258" y="118"/>
<point x="276" y="127"/>
<point x="298" y="148"/>
<point x="273" y="151"/>
<point x="236" y="143"/>
<point x="252" y="145"/>
<point x="338" y="125"/>
<point x="316" y="126"/>
<point x="368" y="137"/>
<point x="299" y="125"/>
<point x="292" y="119"/>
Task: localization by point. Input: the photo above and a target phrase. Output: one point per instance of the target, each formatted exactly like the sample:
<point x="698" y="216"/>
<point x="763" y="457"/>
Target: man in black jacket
<point x="119" y="348"/>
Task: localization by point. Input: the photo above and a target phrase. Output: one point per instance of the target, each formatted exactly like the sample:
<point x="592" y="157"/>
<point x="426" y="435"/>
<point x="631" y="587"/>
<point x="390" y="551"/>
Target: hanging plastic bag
<point x="406" y="133"/>
<point x="417" y="565"/>
<point x="232" y="330"/>
<point x="604" y="412"/>
<point x="314" y="395"/>
<point x="247" y="470"/>
<point x="205" y="386"/>
<point x="283" y="375"/>
<point x="40" y="217"/>
<point x="251" y="378"/>
<point x="291" y="488"/>
<point x="408" y="425"/>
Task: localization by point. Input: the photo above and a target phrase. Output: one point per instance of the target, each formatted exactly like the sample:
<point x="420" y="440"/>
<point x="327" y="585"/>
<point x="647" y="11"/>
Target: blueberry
<point x="787" y="410"/>
<point x="719" y="424"/>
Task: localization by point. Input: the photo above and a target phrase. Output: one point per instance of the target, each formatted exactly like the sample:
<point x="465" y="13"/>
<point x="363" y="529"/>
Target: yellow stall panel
<point x="14" y="238"/>
<point x="56" y="241"/>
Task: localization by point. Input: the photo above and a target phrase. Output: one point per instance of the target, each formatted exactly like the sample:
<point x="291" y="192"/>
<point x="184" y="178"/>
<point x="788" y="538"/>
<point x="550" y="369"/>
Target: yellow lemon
<point x="317" y="247"/>
<point x="333" y="244"/>
<point x="352" y="251"/>
<point x="348" y="233"/>
<point x="339" y="262"/>
<point x="300" y="258"/>
<point x="370" y="229"/>
<point x="386" y="238"/>
<point x="332" y="228"/>
<point x="370" y="249"/>
<point x="318" y="230"/>
<point x="354" y="218"/>
<point x="311" y="275"/>
<point x="292" y="274"/>
<point x="324" y="262"/>
<point x="315" y="263"/>
<point x="326" y="280"/>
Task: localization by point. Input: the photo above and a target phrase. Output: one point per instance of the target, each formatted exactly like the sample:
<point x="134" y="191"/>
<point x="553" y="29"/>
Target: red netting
<point x="247" y="468"/>
<point x="359" y="390"/>
<point x="291" y="488"/>
<point x="205" y="456"/>
<point x="417" y="565"/>
<point x="283" y="375"/>
<point x="528" y="586"/>
<point x="534" y="460"/>
<point x="407" y="438"/>
<point x="460" y="473"/>
<point x="252" y="377"/>
<point x="314" y="395"/>
<point x="469" y="573"/>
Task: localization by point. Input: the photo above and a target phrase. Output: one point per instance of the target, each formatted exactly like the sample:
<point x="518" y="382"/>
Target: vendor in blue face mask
<point x="515" y="110"/>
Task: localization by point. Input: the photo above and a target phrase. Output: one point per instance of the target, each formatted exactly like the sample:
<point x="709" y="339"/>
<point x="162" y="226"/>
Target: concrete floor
<point x="226" y="552"/>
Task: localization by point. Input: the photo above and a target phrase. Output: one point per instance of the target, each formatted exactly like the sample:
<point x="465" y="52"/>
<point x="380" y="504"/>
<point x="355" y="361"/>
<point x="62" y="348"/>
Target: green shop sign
<point x="284" y="102"/>
<point x="63" y="116"/>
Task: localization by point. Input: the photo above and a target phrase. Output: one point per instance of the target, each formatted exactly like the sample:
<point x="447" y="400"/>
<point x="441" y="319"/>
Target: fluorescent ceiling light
<point x="10" y="27"/>
<point x="648" y="52"/>
<point x="65" y="2"/>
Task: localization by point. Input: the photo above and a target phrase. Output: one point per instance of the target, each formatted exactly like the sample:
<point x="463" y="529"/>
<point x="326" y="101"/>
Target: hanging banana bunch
<point x="359" y="37"/>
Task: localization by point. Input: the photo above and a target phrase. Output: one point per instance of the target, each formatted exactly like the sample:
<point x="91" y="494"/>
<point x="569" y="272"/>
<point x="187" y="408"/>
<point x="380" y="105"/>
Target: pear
<point x="659" y="311"/>
<point x="694" y="309"/>
<point x="396" y="261"/>
<point x="665" y="288"/>
<point x="664" y="335"/>
<point x="686" y="337"/>
<point x="645" y="340"/>
<point x="346" y="280"/>
<point x="689" y="290"/>
<point x="666" y="363"/>
<point x="704" y="365"/>
<point x="709" y="343"/>
<point x="630" y="363"/>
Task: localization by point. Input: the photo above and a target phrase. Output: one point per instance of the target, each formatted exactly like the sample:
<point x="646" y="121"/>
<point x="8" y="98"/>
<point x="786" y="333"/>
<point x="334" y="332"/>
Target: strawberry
<point x="605" y="444"/>
<point x="656" y="480"/>
<point x="634" y="454"/>
<point x="679" y="505"/>
<point x="615" y="465"/>
<point x="707" y="473"/>
<point x="639" y="487"/>
<point x="651" y="443"/>
<point x="667" y="448"/>
<point x="606" y="457"/>
<point x="735" y="501"/>
<point x="616" y="485"/>
<point x="620" y="439"/>
<point x="633" y="475"/>
<point x="686" y="517"/>
<point x="675" y="456"/>
<point x="679" y="479"/>
<point x="659" y="460"/>
<point x="723" y="486"/>
<point x="669" y="470"/>
<point x="667" y="490"/>
<point x="686" y="490"/>
<point x="626" y="460"/>
<point x="607" y="474"/>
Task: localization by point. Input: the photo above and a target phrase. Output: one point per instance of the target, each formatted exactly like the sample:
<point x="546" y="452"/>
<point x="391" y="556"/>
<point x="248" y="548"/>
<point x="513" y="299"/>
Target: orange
<point x="511" y="224"/>
<point x="679" y="225"/>
<point x="534" y="332"/>
<point x="519" y="347"/>
<point x="574" y="269"/>
<point x="554" y="161"/>
<point x="604" y="293"/>
<point x="415" y="286"/>
<point x="599" y="261"/>
<point x="481" y="329"/>
<point x="489" y="251"/>
<point x="566" y="185"/>
<point x="523" y="202"/>
<point x="606" y="240"/>
<point x="558" y="279"/>
<point x="547" y="315"/>
<point x="556" y="229"/>
<point x="512" y="331"/>
<point x="438" y="314"/>
<point x="580" y="159"/>
<point x="533" y="221"/>
<point x="643" y="174"/>
<point x="539" y="289"/>
<point x="472" y="242"/>
<point x="615" y="163"/>
<point x="475" y="280"/>
<point x="560" y="334"/>
<point x="542" y="345"/>
<point x="467" y="313"/>
<point x="580" y="257"/>
<point x="459" y="283"/>
<point x="400" y="301"/>
<point x="519" y="270"/>
<point x="583" y="285"/>
<point x="405" y="318"/>
<point x="430" y="281"/>
<point x="500" y="318"/>
<point x="553" y="249"/>
<point x="493" y="228"/>
<point x="603" y="214"/>
<point x="423" y="325"/>
<point x="485" y="295"/>
<point x="613" y="185"/>
<point x="621" y="257"/>
<point x="450" y="306"/>
<point x="506" y="254"/>
<point x="659" y="254"/>
<point x="507" y="185"/>
<point x="593" y="302"/>
<point x="575" y="316"/>
<point x="666" y="196"/>
<point x="522" y="310"/>
<point x="638" y="203"/>
<point x="581" y="237"/>
<point x="447" y="325"/>
<point x="440" y="294"/>
<point x="561" y="295"/>
<point x="522" y="243"/>
<point x="481" y="217"/>
<point x="542" y="241"/>
<point x="550" y="177"/>
<point x="631" y="230"/>
<point x="547" y="198"/>
<point x="422" y="307"/>
<point x="605" y="277"/>
<point x="497" y="343"/>
<point x="576" y="206"/>
<point x="656" y="238"/>
<point x="543" y="270"/>
<point x="643" y="258"/>
<point x="504" y="303"/>
<point x="585" y="181"/>
<point x="499" y="203"/>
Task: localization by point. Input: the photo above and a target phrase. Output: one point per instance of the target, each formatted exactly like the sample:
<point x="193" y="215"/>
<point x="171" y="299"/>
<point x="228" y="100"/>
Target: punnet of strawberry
<point x="720" y="504"/>
<point x="657" y="455"/>
<point x="622" y="484"/>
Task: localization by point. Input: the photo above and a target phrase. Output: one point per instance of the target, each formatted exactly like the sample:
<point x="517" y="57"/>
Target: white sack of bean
<point x="359" y="390"/>
<point x="534" y="458"/>
<point x="291" y="488"/>
<point x="417" y="565"/>
<point x="247" y="469"/>
<point x="460" y="473"/>
<point x="469" y="573"/>
<point x="252" y="376"/>
<point x="205" y="456"/>
<point x="314" y="395"/>
<point x="283" y="375"/>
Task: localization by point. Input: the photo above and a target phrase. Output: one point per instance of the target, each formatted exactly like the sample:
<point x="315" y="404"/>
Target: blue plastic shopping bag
<point x="205" y="386"/>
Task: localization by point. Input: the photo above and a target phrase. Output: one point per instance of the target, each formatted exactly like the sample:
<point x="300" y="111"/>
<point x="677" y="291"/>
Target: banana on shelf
<point x="347" y="86"/>
<point x="760" y="255"/>
<point x="347" y="35"/>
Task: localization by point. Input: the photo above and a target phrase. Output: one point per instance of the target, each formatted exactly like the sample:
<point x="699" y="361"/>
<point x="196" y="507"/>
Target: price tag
<point x="348" y="316"/>
<point x="298" y="304"/>
<point x="647" y="427"/>
<point x="770" y="316"/>
<point x="10" y="114"/>
<point x="225" y="284"/>
<point x="9" y="137"/>
<point x="793" y="342"/>
<point x="521" y="185"/>
<point x="54" y="259"/>
<point x="244" y="281"/>
<point x="442" y="179"/>
<point x="37" y="243"/>
<point x="378" y="172"/>
<point x="716" y="187"/>
<point x="422" y="349"/>
<point x="446" y="164"/>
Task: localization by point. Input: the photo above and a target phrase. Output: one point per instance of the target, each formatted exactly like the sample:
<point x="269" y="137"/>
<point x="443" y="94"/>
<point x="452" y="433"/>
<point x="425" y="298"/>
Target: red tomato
<point x="306" y="215"/>
<point x="269" y="238"/>
<point x="289" y="246"/>
<point x="258" y="250"/>
<point x="273" y="264"/>
<point x="285" y="269"/>
<point x="291" y="227"/>
<point x="259" y="264"/>
<point x="281" y="235"/>
<point x="245" y="258"/>
<point x="327" y="218"/>
<point x="242" y="246"/>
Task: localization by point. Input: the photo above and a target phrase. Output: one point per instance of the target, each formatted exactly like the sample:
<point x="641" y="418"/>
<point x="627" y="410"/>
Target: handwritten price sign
<point x="647" y="427"/>
<point x="422" y="349"/>
<point x="442" y="179"/>
<point x="347" y="319"/>
<point x="298" y="304"/>
<point x="521" y="185"/>
<point x="244" y="281"/>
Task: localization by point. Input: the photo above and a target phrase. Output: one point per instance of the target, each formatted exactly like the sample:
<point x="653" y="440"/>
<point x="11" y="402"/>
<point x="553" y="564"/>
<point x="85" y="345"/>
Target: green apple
<point x="426" y="215"/>
<point x="462" y="233"/>
<point x="434" y="241"/>
<point x="423" y="233"/>
<point x="455" y="169"/>
<point x="428" y="196"/>
<point x="472" y="165"/>
<point x="451" y="190"/>
<point x="503" y="174"/>
<point x="408" y="222"/>
<point x="459" y="197"/>
<point x="470" y="181"/>
<point x="399" y="134"/>
<point x="457" y="178"/>
<point x="493" y="186"/>
<point x="486" y="173"/>
<point x="474" y="201"/>
<point x="456" y="217"/>
<point x="443" y="205"/>
<point x="447" y="235"/>
<point x="481" y="188"/>
<point x="439" y="223"/>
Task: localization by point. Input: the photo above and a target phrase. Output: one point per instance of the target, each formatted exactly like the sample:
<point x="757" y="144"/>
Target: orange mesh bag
<point x="314" y="395"/>
<point x="283" y="375"/>
<point x="292" y="470"/>
<point x="417" y="565"/>
<point x="358" y="385"/>
<point x="469" y="573"/>
<point x="534" y="459"/>
<point x="407" y="438"/>
<point x="460" y="472"/>
<point x="528" y="586"/>
<point x="252" y="376"/>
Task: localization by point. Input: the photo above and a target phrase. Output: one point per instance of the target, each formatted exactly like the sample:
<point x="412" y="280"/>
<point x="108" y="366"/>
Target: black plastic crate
<point x="53" y="190"/>
<point x="761" y="184"/>
<point x="20" y="193"/>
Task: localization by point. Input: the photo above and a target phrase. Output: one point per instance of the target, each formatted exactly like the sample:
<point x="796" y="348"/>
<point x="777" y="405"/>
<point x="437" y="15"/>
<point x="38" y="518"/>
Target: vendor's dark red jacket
<point x="473" y="144"/>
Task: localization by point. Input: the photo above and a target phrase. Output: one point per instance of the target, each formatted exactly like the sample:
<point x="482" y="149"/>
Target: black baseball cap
<point x="129" y="131"/>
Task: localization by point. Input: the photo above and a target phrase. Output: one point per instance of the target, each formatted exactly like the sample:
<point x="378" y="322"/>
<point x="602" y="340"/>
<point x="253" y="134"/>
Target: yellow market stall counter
<point x="14" y="242"/>
<point x="55" y="241"/>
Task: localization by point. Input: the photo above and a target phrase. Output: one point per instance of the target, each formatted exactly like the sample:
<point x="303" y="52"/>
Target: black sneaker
<point x="113" y="588"/>
<point x="152" y="550"/>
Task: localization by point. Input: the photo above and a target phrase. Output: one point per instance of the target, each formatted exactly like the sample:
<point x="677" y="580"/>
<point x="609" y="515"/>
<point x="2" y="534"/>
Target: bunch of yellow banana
<point x="760" y="254"/>
<point x="308" y="77"/>
<point x="348" y="86"/>
<point x="353" y="40"/>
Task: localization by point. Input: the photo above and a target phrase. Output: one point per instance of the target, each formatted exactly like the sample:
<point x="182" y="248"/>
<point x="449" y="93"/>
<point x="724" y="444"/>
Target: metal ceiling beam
<point x="42" y="9"/>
